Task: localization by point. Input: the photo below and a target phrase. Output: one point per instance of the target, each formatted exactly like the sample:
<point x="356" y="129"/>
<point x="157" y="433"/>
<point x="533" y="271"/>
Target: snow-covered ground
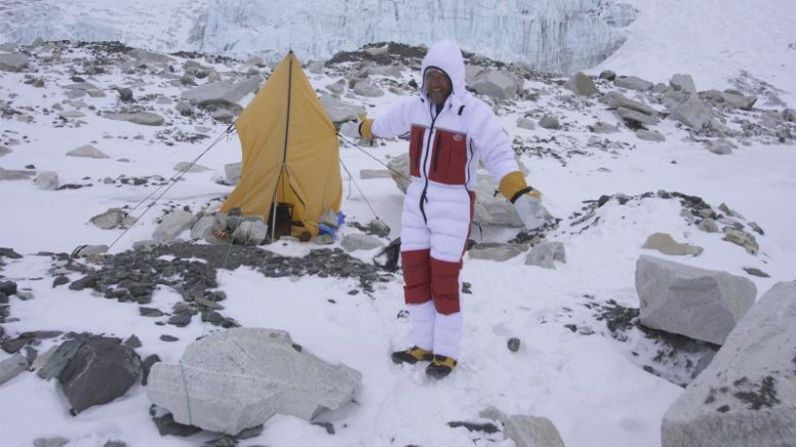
<point x="590" y="386"/>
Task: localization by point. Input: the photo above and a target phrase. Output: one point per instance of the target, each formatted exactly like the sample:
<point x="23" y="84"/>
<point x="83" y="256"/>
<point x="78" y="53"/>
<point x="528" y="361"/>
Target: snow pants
<point x="432" y="244"/>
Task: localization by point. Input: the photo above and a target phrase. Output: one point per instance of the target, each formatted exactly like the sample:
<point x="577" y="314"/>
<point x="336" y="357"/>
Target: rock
<point x="184" y="107"/>
<point x="608" y="75"/>
<point x="544" y="253"/>
<point x="80" y="89"/>
<point x="787" y="115"/>
<point x="650" y="135"/>
<point x="147" y="366"/>
<point x="222" y="93"/>
<point x="692" y="112"/>
<point x="722" y="146"/>
<point x="532" y="431"/>
<point x="337" y="87"/>
<point x="661" y="88"/>
<point x="14" y="62"/>
<point x="525" y="123"/>
<point x="581" y="85"/>
<point x="747" y="395"/>
<point x="110" y="219"/>
<point x="239" y="378"/>
<point x="115" y="444"/>
<point x="148" y="57"/>
<point x="172" y="225"/>
<point x="665" y="244"/>
<point x="742" y="238"/>
<point x="365" y="88"/>
<point x="315" y="67"/>
<point x="683" y="82"/>
<point x="11" y="367"/>
<point x="357" y="241"/>
<point x="56" y="441"/>
<point x="90" y="251"/>
<point x="549" y="122"/>
<point x="6" y="174"/>
<point x="143" y="118"/>
<point x="495" y="251"/>
<point x="513" y="344"/>
<point x="635" y="118"/>
<point x="102" y="370"/>
<point x="205" y="226"/>
<point x="250" y="232"/>
<point x="125" y="94"/>
<point x="737" y="100"/>
<point x="186" y="166"/>
<point x="232" y="173"/>
<point x="87" y="151"/>
<point x="601" y="127"/>
<point x="340" y="111"/>
<point x="47" y="180"/>
<point x="4" y="151"/>
<point x="756" y="272"/>
<point x="616" y="99"/>
<point x="58" y="359"/>
<point x="708" y="225"/>
<point x="701" y="304"/>
<point x="222" y="115"/>
<point x="633" y="83"/>
<point x="495" y="84"/>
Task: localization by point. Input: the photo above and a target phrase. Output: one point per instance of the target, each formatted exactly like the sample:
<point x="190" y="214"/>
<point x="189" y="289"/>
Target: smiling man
<point x="450" y="131"/>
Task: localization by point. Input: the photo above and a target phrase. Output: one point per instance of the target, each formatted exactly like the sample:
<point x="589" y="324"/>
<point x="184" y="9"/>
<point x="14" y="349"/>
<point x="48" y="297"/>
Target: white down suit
<point x="444" y="151"/>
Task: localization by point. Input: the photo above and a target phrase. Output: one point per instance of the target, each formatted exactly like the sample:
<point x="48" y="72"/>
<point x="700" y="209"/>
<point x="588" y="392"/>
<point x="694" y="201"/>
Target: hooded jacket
<point x="445" y="147"/>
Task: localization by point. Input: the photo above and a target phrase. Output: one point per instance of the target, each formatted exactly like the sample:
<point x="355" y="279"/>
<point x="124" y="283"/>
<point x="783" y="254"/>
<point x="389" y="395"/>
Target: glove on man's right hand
<point x="365" y="126"/>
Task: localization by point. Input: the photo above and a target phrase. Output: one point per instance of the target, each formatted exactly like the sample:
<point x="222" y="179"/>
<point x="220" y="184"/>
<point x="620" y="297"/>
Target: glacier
<point x="559" y="36"/>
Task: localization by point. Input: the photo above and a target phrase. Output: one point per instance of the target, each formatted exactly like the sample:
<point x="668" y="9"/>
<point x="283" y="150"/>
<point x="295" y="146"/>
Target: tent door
<point x="281" y="218"/>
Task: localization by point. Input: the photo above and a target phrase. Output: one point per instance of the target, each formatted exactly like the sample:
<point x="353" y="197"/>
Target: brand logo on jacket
<point x="458" y="138"/>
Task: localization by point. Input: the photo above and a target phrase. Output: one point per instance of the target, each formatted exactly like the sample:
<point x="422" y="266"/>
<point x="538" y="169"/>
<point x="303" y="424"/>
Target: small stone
<point x="56" y="441"/>
<point x="168" y="338"/>
<point x="514" y="344"/>
<point x="756" y="272"/>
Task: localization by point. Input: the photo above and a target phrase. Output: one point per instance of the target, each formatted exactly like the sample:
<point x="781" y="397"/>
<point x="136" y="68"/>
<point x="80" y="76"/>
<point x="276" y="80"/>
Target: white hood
<point x="446" y="56"/>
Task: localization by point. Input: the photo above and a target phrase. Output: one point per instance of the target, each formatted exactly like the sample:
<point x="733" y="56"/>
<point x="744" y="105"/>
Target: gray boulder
<point x="633" y="83"/>
<point x="787" y="115"/>
<point x="143" y="118"/>
<point x="55" y="441"/>
<point x="359" y="241"/>
<point x="337" y="87"/>
<point x="87" y="151"/>
<point x="365" y="88"/>
<point x="102" y="370"/>
<point x="581" y="85"/>
<point x="601" y="127"/>
<point x="148" y="57"/>
<point x="737" y="100"/>
<point x="545" y="253"/>
<point x="650" y="135"/>
<point x="10" y="174"/>
<point x="525" y="123"/>
<point x="708" y="225"/>
<point x="532" y="431"/>
<point x="741" y="238"/>
<point x="692" y="112"/>
<point x="664" y="243"/>
<point x="222" y="93"/>
<point x="4" y="151"/>
<point x="683" y="82"/>
<point x="340" y="111"/>
<point x="494" y="83"/>
<point x="747" y="395"/>
<point x="698" y="303"/>
<point x="616" y="99"/>
<point x="11" y="367"/>
<point x="608" y="75"/>
<point x="13" y="62"/>
<point x="236" y="379"/>
<point x="495" y="251"/>
<point x="636" y="117"/>
<point x="549" y="122"/>
<point x="80" y="89"/>
<point x="110" y="219"/>
<point x="172" y="225"/>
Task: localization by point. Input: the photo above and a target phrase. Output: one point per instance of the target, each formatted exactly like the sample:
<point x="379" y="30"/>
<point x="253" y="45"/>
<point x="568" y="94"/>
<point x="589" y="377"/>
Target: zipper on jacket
<point x="423" y="197"/>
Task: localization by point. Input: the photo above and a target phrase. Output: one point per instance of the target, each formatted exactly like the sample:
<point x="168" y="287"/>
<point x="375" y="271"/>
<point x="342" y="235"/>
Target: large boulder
<point x="172" y="225"/>
<point x="236" y="379"/>
<point x="222" y="93"/>
<point x="494" y="83"/>
<point x="747" y="395"/>
<point x="738" y="100"/>
<point x="142" y="118"/>
<point x="616" y="99"/>
<point x="102" y="370"/>
<point x="683" y="82"/>
<point x="532" y="431"/>
<point x="340" y="111"/>
<point x="581" y="85"/>
<point x="633" y="83"/>
<point x="692" y="112"/>
<point x="665" y="243"/>
<point x="365" y="88"/>
<point x="13" y="62"/>
<point x="47" y="180"/>
<point x="698" y="303"/>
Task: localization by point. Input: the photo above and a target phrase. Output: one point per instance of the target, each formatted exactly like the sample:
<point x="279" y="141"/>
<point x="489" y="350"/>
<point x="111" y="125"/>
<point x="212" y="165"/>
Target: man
<point x="450" y="131"/>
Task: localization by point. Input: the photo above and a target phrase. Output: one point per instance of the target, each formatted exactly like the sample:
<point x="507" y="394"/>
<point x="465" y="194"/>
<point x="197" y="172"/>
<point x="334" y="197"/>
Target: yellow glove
<point x="513" y="185"/>
<point x="365" y="127"/>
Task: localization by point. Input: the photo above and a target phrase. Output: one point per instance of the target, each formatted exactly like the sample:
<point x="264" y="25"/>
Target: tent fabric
<point x="290" y="151"/>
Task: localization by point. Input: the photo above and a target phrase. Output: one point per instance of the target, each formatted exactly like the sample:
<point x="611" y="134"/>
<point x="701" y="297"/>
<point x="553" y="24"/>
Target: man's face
<point x="438" y="86"/>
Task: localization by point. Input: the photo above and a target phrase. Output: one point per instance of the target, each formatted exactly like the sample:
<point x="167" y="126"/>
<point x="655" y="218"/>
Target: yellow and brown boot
<point x="412" y="355"/>
<point x="440" y="366"/>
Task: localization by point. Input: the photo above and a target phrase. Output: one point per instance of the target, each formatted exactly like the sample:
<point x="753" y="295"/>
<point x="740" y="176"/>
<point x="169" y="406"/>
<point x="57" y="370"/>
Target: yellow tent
<point x="290" y="153"/>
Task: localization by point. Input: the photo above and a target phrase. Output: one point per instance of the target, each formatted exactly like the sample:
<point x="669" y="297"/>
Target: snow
<point x="590" y="386"/>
